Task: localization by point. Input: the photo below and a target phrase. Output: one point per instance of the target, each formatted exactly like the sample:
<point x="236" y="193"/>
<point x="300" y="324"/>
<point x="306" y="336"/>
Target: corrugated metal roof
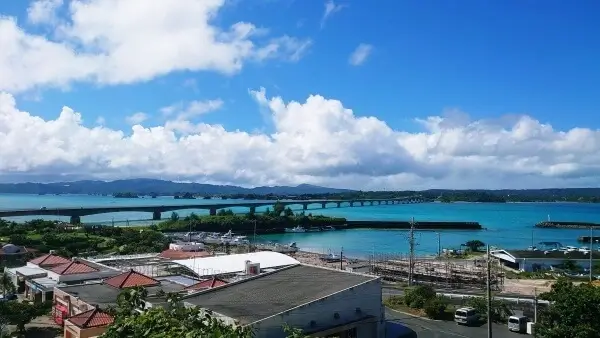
<point x="210" y="266"/>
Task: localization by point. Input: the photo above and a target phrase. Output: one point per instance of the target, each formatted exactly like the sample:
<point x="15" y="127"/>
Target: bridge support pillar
<point x="252" y="210"/>
<point x="323" y="205"/>
<point x="339" y="205"/>
<point x="75" y="220"/>
<point x="362" y="204"/>
<point x="156" y="215"/>
<point x="213" y="211"/>
<point x="351" y="203"/>
<point x="304" y="206"/>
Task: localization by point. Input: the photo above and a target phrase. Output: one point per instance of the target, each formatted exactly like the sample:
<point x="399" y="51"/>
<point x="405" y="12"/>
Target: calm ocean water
<point x="507" y="225"/>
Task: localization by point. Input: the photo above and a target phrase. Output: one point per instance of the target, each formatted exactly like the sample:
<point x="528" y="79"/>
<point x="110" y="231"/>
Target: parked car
<point x="10" y="296"/>
<point x="466" y="316"/>
<point x="517" y="324"/>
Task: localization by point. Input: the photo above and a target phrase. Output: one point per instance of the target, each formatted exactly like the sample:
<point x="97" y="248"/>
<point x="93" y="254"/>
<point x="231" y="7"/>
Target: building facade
<point x="322" y="302"/>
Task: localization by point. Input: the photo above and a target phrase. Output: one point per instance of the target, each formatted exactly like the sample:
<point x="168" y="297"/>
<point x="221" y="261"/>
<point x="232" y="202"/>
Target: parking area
<point x="426" y="328"/>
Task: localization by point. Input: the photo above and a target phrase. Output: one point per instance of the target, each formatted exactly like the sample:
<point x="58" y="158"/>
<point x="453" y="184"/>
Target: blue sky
<point x="486" y="59"/>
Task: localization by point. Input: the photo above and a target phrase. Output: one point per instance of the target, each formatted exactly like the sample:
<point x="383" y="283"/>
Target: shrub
<point x="435" y="307"/>
<point x="417" y="297"/>
<point x="500" y="311"/>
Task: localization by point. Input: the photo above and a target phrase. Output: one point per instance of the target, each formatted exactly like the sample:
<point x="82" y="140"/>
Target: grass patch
<point x="397" y="303"/>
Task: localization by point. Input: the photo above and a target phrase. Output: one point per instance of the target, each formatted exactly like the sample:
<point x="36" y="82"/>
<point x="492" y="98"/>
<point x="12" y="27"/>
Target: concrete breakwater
<point x="567" y="225"/>
<point x="421" y="225"/>
<point x="586" y="239"/>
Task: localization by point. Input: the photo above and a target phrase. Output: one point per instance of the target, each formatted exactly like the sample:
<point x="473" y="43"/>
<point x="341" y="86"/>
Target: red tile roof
<point x="72" y="268"/>
<point x="178" y="254"/>
<point x="92" y="318"/>
<point x="207" y="284"/>
<point x="49" y="260"/>
<point x="131" y="279"/>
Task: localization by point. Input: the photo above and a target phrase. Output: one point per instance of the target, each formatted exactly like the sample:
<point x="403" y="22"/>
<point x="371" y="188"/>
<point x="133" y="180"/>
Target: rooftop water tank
<point x="11" y="249"/>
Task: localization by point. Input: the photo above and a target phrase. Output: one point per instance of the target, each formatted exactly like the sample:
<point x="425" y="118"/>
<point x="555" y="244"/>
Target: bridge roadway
<point x="76" y="213"/>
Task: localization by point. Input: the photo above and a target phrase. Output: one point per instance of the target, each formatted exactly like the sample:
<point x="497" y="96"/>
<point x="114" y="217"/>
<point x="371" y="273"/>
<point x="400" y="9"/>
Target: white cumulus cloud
<point x="330" y="9"/>
<point x="136" y="118"/>
<point x="120" y="42"/>
<point x="317" y="141"/>
<point x="360" y="54"/>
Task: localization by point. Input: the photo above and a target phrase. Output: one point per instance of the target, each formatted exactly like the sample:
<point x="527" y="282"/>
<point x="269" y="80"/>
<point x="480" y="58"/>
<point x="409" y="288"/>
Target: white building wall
<point x="366" y="296"/>
<point x="527" y="264"/>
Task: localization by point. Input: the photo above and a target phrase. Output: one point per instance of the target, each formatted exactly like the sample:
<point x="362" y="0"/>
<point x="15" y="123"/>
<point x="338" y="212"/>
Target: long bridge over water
<point x="76" y="213"/>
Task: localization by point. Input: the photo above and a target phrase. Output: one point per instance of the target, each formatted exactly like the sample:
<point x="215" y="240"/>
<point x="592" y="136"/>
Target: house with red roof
<point x="38" y="278"/>
<point x="71" y="300"/>
<point x="87" y="324"/>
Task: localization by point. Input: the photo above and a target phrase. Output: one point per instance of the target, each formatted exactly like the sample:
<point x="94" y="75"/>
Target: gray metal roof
<point x="254" y="299"/>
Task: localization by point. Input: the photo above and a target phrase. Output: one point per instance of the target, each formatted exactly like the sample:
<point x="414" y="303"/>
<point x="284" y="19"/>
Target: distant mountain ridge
<point x="160" y="187"/>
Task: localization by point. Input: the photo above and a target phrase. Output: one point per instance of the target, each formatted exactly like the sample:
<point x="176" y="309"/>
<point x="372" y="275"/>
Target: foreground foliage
<point x="132" y="319"/>
<point x="574" y="311"/>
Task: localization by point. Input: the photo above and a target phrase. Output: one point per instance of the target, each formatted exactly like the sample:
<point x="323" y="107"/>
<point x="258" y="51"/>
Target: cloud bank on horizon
<point x="316" y="140"/>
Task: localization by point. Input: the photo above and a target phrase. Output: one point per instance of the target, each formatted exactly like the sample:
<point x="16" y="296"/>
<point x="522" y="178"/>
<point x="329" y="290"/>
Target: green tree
<point x="174" y="216"/>
<point x="435" y="307"/>
<point x="278" y="208"/>
<point x="499" y="311"/>
<point x="417" y="296"/>
<point x="288" y="212"/>
<point x="475" y="245"/>
<point x="21" y="313"/>
<point x="573" y="311"/>
<point x="6" y="284"/>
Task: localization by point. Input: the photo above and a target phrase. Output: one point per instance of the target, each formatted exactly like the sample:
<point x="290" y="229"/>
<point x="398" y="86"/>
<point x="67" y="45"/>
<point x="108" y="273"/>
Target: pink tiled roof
<point x="72" y="268"/>
<point x="92" y="318"/>
<point x="49" y="260"/>
<point x="207" y="284"/>
<point x="131" y="279"/>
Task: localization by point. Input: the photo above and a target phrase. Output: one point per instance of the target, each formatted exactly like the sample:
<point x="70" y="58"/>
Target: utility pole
<point x="532" y="239"/>
<point x="535" y="305"/>
<point x="489" y="294"/>
<point x="411" y="245"/>
<point x="591" y="252"/>
<point x="342" y="259"/>
<point x="439" y="245"/>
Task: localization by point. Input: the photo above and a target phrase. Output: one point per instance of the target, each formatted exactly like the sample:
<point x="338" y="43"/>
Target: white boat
<point x="213" y="238"/>
<point x="328" y="228"/>
<point x="295" y="229"/>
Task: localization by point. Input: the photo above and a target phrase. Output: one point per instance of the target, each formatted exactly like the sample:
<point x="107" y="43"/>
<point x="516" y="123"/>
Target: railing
<point x="116" y="257"/>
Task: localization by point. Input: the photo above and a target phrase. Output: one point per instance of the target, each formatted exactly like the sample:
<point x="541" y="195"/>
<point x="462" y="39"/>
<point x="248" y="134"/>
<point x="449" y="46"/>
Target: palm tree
<point x="6" y="284"/>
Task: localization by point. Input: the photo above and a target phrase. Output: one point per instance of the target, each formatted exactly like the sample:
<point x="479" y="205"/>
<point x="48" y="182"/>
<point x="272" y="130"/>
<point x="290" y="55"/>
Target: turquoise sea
<point x="508" y="225"/>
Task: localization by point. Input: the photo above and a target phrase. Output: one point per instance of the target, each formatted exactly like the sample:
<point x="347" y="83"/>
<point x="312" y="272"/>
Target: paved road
<point x="424" y="328"/>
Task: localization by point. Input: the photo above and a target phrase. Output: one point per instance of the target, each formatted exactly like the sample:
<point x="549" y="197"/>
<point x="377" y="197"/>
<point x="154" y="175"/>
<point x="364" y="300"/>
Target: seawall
<point x="421" y="225"/>
<point x="567" y="225"/>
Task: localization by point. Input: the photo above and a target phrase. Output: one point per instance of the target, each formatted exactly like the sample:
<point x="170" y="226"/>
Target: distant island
<point x="185" y="196"/>
<point x="134" y="188"/>
<point x="125" y="195"/>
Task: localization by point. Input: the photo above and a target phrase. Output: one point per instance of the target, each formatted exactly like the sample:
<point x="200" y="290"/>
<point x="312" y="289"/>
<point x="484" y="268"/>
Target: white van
<point x="517" y="324"/>
<point x="466" y="316"/>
